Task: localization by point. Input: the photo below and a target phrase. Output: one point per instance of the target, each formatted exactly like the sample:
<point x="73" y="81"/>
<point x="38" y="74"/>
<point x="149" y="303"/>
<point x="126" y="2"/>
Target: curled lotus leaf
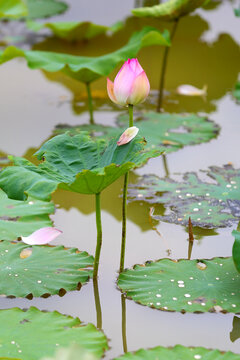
<point x="74" y="163"/>
<point x="38" y="9"/>
<point x="209" y="204"/>
<point x="170" y="10"/>
<point x="166" y="132"/>
<point x="13" y="9"/>
<point x="19" y="338"/>
<point x="74" y="30"/>
<point x="178" y="352"/>
<point x="184" y="285"/>
<point x="83" y="68"/>
<point x="40" y="270"/>
<point x="22" y="217"/>
<point x="236" y="249"/>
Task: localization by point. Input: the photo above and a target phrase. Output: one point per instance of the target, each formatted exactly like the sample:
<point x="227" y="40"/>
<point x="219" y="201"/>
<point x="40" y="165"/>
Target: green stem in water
<point x="164" y="67"/>
<point x="97" y="304"/>
<point x="165" y="165"/>
<point x="124" y="206"/>
<point x="99" y="236"/>
<point x="90" y="104"/>
<point x="124" y="331"/>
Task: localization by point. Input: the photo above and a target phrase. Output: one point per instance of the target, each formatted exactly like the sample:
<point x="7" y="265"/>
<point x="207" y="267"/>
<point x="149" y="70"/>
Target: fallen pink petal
<point x="128" y="135"/>
<point x="42" y="236"/>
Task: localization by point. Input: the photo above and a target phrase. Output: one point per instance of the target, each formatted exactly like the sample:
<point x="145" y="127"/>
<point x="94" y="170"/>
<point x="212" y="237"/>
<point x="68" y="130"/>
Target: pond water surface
<point x="205" y="51"/>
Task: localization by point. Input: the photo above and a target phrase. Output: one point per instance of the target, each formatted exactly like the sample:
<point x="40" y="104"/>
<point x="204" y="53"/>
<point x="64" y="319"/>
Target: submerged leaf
<point x="13" y="9"/>
<point x="21" y="218"/>
<point x="39" y="270"/>
<point x="74" y="30"/>
<point x="170" y="10"/>
<point x="209" y="204"/>
<point x="83" y="68"/>
<point x="74" y="163"/>
<point x="166" y="132"/>
<point x="178" y="352"/>
<point x="61" y="331"/>
<point x="183" y="286"/>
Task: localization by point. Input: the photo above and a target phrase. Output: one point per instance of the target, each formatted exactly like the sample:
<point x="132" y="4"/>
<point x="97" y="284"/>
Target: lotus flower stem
<point x="124" y="332"/>
<point x="99" y="236"/>
<point x="97" y="304"/>
<point x="164" y="67"/>
<point x="124" y="206"/>
<point x="90" y="104"/>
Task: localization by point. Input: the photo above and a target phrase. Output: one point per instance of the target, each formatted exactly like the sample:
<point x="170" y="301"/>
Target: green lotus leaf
<point x="74" y="163"/>
<point x="44" y="8"/>
<point x="160" y="130"/>
<point x="39" y="270"/>
<point x="209" y="204"/>
<point x="170" y="10"/>
<point x="73" y="30"/>
<point x="45" y="332"/>
<point x="178" y="352"/>
<point x="236" y="249"/>
<point x="74" y="352"/>
<point x="237" y="12"/>
<point x="83" y="68"/>
<point x="236" y="91"/>
<point x="184" y="285"/>
<point x="21" y="218"/>
<point x="13" y="9"/>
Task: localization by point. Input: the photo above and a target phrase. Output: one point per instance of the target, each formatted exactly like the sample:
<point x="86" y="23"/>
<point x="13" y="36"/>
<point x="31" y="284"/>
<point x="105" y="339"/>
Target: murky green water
<point x="205" y="51"/>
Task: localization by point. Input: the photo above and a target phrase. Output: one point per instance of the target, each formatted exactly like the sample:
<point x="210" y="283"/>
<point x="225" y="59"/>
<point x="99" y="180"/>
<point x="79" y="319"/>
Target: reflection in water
<point x="202" y="65"/>
<point x="165" y="165"/>
<point x="124" y="323"/>
<point x="97" y="304"/>
<point x="235" y="333"/>
<point x="190" y="238"/>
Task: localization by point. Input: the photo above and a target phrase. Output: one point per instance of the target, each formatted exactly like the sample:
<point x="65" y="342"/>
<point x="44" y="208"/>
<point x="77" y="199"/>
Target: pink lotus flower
<point x="128" y="135"/>
<point x="131" y="85"/>
<point x="42" y="236"/>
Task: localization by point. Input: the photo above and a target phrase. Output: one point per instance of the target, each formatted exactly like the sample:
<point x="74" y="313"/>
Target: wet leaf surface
<point x="184" y="286"/>
<point x="179" y="352"/>
<point x="21" y="218"/>
<point x="210" y="204"/>
<point x="169" y="10"/>
<point x="39" y="270"/>
<point x="83" y="68"/>
<point x="167" y="132"/>
<point x="236" y="249"/>
<point x="26" y="330"/>
<point x="74" y="163"/>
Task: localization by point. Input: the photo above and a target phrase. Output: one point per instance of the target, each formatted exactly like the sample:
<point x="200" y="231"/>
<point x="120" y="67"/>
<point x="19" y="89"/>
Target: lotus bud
<point x="42" y="236"/>
<point x="128" y="135"/>
<point x="130" y="86"/>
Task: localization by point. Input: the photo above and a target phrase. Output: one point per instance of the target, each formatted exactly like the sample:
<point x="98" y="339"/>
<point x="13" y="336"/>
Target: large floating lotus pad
<point x="184" y="285"/>
<point x="167" y="132"/>
<point x="210" y="204"/>
<point x="170" y="10"/>
<point x="40" y="270"/>
<point x="83" y="68"/>
<point x="44" y="8"/>
<point x="178" y="352"/>
<point x="74" y="163"/>
<point x="21" y="218"/>
<point x="27" y="330"/>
